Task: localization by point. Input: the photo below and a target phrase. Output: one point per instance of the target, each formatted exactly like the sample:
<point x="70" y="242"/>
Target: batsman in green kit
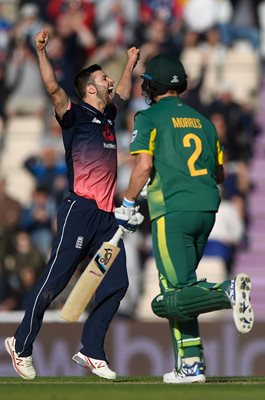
<point x="178" y="152"/>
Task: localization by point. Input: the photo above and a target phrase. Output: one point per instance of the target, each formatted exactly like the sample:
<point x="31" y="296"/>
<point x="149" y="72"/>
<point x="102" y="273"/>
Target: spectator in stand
<point x="166" y="10"/>
<point x="28" y="23"/>
<point x="52" y="138"/>
<point x="202" y="15"/>
<point x="137" y="102"/>
<point x="10" y="209"/>
<point x="49" y="170"/>
<point x="3" y="98"/>
<point x="39" y="220"/>
<point x="22" y="265"/>
<point x="5" y="35"/>
<point x="214" y="54"/>
<point x="42" y="6"/>
<point x="236" y="187"/>
<point x="27" y="96"/>
<point x="157" y="38"/>
<point x="27" y="278"/>
<point x="192" y="56"/>
<point x="226" y="234"/>
<point x="79" y="16"/>
<point x="239" y="122"/>
<point x="63" y="65"/>
<point x="57" y="7"/>
<point x="227" y="136"/>
<point x="10" y="212"/>
<point x="8" y="299"/>
<point x="78" y="42"/>
<point x="243" y="23"/>
<point x="116" y="20"/>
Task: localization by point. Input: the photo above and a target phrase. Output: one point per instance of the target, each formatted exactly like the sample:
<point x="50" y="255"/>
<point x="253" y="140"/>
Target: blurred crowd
<point x="222" y="46"/>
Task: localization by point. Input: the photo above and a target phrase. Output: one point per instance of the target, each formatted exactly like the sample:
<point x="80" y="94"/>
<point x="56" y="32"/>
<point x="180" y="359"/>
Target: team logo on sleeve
<point x="134" y="134"/>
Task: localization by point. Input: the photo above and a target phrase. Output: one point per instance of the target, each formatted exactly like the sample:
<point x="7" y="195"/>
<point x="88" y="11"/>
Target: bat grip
<point x="116" y="238"/>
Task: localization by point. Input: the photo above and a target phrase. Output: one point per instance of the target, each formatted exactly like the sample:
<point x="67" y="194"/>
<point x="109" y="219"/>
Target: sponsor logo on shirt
<point x="109" y="145"/>
<point x="96" y="121"/>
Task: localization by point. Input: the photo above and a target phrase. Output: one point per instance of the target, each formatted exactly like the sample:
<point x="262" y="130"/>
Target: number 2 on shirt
<point x="195" y="155"/>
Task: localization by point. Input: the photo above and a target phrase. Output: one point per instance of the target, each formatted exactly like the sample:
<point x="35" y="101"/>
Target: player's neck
<point x="167" y="94"/>
<point x="96" y="103"/>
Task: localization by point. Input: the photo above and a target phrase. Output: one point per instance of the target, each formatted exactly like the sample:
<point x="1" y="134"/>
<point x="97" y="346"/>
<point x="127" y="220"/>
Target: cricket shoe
<point x="187" y="374"/>
<point x="239" y="295"/>
<point x="98" y="367"/>
<point x="22" y="365"/>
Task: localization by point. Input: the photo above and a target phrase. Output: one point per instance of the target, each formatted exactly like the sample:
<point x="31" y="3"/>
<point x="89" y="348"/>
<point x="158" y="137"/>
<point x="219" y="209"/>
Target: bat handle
<point x="118" y="235"/>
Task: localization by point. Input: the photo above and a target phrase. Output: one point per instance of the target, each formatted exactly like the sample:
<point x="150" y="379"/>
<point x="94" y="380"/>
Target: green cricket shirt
<point x="185" y="151"/>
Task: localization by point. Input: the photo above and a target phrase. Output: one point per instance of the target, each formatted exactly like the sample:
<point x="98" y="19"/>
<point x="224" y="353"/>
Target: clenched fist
<point x="41" y="40"/>
<point x="133" y="55"/>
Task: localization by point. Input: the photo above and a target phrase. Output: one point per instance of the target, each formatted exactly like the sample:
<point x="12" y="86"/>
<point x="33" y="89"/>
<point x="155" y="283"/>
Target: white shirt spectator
<point x="201" y="15"/>
<point x="229" y="226"/>
<point x="116" y="20"/>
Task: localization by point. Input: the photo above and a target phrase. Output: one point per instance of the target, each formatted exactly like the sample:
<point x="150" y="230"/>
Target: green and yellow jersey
<point x="185" y="151"/>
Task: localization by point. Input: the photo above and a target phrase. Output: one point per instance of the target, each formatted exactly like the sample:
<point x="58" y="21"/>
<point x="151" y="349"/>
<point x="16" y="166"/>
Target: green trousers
<point x="179" y="240"/>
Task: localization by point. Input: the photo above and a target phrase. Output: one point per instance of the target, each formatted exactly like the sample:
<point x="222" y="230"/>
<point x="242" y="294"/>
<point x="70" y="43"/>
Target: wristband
<point x="128" y="203"/>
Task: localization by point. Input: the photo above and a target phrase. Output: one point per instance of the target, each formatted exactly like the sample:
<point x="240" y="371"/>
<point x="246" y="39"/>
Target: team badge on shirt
<point x="79" y="242"/>
<point x="108" y="133"/>
<point x="134" y="134"/>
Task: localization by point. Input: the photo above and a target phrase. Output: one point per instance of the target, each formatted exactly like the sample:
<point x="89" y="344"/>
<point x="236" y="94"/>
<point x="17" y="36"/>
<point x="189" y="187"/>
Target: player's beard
<point x="103" y="94"/>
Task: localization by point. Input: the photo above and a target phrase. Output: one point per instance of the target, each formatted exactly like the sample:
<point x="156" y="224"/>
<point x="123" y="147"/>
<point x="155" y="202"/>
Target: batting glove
<point x="128" y="217"/>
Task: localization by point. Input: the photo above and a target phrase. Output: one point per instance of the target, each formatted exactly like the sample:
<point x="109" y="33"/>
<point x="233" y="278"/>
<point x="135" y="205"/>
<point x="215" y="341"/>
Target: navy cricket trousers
<point x="81" y="229"/>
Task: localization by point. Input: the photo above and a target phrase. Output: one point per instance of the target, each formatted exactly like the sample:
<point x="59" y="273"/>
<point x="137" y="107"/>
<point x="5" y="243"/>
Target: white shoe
<point x="22" y="365"/>
<point x="187" y="374"/>
<point x="239" y="295"/>
<point x="98" y="367"/>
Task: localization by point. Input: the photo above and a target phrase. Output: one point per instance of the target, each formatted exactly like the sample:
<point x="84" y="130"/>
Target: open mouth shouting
<point x="110" y="92"/>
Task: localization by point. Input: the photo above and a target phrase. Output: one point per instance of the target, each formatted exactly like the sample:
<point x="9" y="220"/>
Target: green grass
<point x="131" y="388"/>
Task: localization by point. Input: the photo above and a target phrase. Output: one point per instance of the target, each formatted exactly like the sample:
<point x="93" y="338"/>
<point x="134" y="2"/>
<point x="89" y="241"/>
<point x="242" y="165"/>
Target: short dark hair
<point x="83" y="78"/>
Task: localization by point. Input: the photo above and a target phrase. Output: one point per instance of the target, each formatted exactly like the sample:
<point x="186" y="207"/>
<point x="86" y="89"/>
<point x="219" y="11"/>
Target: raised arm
<point x="125" y="83"/>
<point x="58" y="96"/>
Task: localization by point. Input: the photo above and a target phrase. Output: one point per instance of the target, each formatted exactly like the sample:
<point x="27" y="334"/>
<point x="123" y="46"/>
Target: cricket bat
<point x="91" y="278"/>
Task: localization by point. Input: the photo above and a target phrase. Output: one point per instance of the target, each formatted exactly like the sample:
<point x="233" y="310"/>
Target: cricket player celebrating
<point x="178" y="149"/>
<point x="86" y="217"/>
